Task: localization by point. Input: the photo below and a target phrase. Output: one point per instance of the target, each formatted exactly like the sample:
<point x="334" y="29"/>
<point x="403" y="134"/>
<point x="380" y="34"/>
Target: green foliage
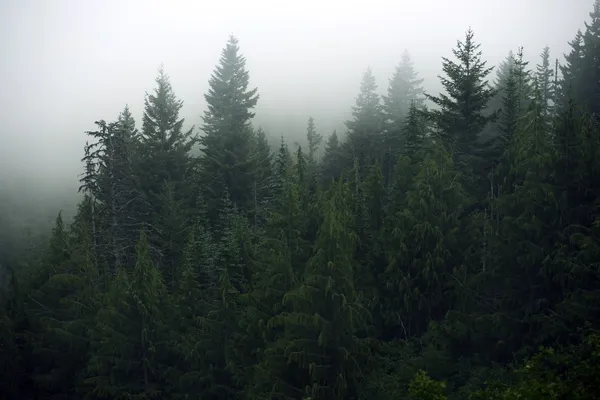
<point x="128" y="334"/>
<point x="228" y="140"/>
<point x="332" y="165"/>
<point x="422" y="387"/>
<point x="436" y="254"/>
<point x="367" y="124"/>
<point x="461" y="117"/>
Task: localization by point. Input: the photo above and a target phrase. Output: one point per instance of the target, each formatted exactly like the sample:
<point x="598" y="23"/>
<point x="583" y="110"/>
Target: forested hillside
<point x="445" y="246"/>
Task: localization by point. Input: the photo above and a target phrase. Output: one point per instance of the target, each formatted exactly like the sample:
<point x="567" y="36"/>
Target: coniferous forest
<point x="445" y="246"/>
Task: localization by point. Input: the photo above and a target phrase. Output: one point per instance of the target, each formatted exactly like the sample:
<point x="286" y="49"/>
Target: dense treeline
<point x="442" y="251"/>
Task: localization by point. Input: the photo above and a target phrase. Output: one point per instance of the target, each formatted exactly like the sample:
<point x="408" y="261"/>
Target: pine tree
<point x="460" y="119"/>
<point x="263" y="178"/>
<point x="516" y="97"/>
<point x="284" y="251"/>
<point x="321" y="345"/>
<point x="366" y="128"/>
<point x="164" y="144"/>
<point x="426" y="245"/>
<point x="413" y="132"/>
<point x="369" y="204"/>
<point x="570" y="83"/>
<point x="589" y="91"/>
<point x="528" y="230"/>
<point x="195" y="298"/>
<point x="164" y="149"/>
<point x="314" y="143"/>
<point x="283" y="162"/>
<point x="129" y="336"/>
<point x="227" y="163"/>
<point x="543" y="79"/>
<point x="172" y="226"/>
<point x="332" y="164"/>
<point x="111" y="181"/>
<point x="62" y="305"/>
<point x="404" y="89"/>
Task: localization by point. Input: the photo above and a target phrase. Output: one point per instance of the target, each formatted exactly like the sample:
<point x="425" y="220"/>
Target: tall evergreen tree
<point x="543" y="78"/>
<point x="263" y="178"/>
<point x="570" y="84"/>
<point x="366" y="127"/>
<point x="227" y="164"/>
<point x="426" y="245"/>
<point x="111" y="180"/>
<point x="326" y="311"/>
<point x="164" y="143"/>
<point x="129" y="336"/>
<point x="314" y="142"/>
<point x="403" y="90"/>
<point x="332" y="164"/>
<point x="461" y="116"/>
<point x="164" y="156"/>
<point x="589" y="80"/>
<point x="62" y="304"/>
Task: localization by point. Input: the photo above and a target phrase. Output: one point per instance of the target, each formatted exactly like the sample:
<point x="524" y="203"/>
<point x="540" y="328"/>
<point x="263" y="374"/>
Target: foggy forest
<point x="315" y="202"/>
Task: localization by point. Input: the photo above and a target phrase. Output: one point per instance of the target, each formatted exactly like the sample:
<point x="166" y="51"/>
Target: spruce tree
<point x="589" y="90"/>
<point x="425" y="245"/>
<point x="516" y="96"/>
<point x="173" y="226"/>
<point x="283" y="162"/>
<point x="314" y="143"/>
<point x="332" y="164"/>
<point x="404" y="89"/>
<point x="461" y="116"/>
<point x="129" y="338"/>
<point x="163" y="142"/>
<point x="367" y="124"/>
<point x="413" y="132"/>
<point x="263" y="178"/>
<point x="543" y="78"/>
<point x="227" y="164"/>
<point x="164" y="148"/>
<point x="321" y="345"/>
<point x="283" y="252"/>
<point x="569" y="86"/>
<point x="112" y="182"/>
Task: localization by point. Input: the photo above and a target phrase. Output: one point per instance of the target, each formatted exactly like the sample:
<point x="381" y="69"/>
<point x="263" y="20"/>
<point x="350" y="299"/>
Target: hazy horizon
<point x="69" y="63"/>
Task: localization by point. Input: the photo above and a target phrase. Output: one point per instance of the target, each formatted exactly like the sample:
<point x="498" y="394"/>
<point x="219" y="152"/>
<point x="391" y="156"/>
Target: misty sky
<point x="67" y="63"/>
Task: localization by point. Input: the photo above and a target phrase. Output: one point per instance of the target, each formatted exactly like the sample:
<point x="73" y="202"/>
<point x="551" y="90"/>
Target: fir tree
<point x="111" y="181"/>
<point x="332" y="164"/>
<point x="314" y="142"/>
<point x="263" y="178"/>
<point x="570" y="84"/>
<point x="426" y="243"/>
<point x="404" y="89"/>
<point x="366" y="127"/>
<point x="460" y="118"/>
<point x="129" y="336"/>
<point x="172" y="226"/>
<point x="321" y="343"/>
<point x="165" y="148"/>
<point x="164" y="144"/>
<point x="589" y="91"/>
<point x="227" y="163"/>
<point x="543" y="79"/>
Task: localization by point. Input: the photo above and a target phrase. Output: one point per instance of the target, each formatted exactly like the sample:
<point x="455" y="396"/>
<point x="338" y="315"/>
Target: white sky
<point x="67" y="63"/>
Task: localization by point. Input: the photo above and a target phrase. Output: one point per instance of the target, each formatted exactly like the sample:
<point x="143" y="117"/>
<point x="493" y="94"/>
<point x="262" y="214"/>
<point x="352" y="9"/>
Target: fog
<point x="67" y="63"/>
